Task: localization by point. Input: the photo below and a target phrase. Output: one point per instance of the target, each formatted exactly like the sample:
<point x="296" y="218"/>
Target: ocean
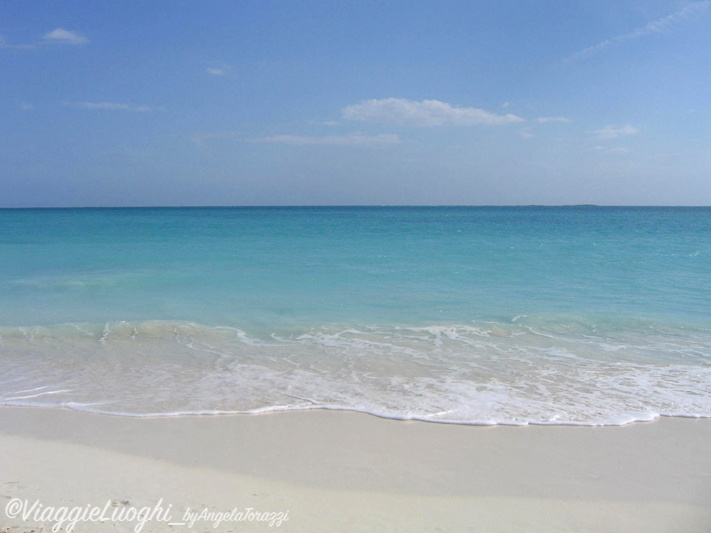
<point x="471" y="315"/>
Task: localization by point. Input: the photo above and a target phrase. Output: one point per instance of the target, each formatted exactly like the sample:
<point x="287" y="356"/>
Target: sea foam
<point x="517" y="372"/>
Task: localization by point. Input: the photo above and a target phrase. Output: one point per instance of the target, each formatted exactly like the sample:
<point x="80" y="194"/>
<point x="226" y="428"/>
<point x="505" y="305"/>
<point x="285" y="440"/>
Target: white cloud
<point x="201" y="138"/>
<point x="59" y="36"/>
<point x="656" y="26"/>
<point x="110" y="106"/>
<point x="543" y="120"/>
<point x="218" y="68"/>
<point x="425" y="113"/>
<point x="526" y="133"/>
<point x="353" y="139"/>
<point x="607" y="150"/>
<point x="24" y="105"/>
<point x="613" y="132"/>
<point x="62" y="36"/>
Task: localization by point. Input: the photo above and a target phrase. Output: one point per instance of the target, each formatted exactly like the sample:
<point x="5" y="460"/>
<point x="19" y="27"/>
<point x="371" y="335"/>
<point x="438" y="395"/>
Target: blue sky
<point x="344" y="102"/>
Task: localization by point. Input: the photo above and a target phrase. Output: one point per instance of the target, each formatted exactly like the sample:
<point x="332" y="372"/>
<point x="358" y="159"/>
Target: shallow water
<point x="579" y="315"/>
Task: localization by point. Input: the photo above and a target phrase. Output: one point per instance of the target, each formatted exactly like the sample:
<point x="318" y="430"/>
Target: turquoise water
<point x="512" y="315"/>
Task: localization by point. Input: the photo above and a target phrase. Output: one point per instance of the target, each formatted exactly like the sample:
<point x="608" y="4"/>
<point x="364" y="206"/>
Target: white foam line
<point x="79" y="329"/>
<point x="314" y="402"/>
<point x="29" y="333"/>
<point x="105" y="333"/>
<point x="35" y="395"/>
<point x="620" y="421"/>
<point x="196" y="349"/>
<point x="30" y="390"/>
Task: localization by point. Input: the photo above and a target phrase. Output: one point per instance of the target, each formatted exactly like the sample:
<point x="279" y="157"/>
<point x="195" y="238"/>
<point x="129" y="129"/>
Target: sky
<point x="264" y="102"/>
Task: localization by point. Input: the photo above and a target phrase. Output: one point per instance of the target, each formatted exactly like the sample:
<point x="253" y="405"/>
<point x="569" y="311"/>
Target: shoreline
<point x="345" y="471"/>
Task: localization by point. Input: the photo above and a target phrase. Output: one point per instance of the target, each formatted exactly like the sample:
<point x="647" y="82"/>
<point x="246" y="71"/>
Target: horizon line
<point x="355" y="206"/>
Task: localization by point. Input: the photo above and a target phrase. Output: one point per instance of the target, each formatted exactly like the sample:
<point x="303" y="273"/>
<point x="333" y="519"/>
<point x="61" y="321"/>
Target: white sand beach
<point x="341" y="471"/>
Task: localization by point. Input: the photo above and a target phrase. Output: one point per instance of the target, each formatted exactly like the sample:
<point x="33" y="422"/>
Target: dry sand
<point x="343" y="472"/>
